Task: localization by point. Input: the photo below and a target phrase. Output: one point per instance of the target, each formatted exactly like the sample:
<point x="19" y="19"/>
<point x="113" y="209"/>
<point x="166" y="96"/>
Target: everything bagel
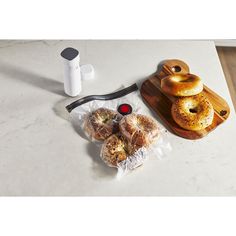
<point x="193" y="113"/>
<point x="139" y="130"/>
<point x="102" y="123"/>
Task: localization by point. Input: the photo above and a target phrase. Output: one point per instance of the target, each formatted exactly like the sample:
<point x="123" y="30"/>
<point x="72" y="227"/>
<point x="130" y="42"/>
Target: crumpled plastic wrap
<point x="125" y="154"/>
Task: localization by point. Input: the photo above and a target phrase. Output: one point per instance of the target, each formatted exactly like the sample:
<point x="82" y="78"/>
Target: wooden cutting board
<point x="161" y="102"/>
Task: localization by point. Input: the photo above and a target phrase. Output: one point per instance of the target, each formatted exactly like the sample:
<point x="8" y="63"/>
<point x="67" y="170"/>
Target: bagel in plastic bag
<point x="114" y="122"/>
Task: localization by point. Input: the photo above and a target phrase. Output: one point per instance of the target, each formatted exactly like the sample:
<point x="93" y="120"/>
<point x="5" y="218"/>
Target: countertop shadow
<point x="20" y="74"/>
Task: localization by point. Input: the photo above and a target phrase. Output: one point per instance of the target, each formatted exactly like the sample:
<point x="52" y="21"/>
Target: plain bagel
<point x="182" y="85"/>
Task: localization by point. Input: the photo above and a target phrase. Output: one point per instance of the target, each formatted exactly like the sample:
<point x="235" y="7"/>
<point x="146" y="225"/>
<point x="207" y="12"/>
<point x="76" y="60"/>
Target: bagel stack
<point x="124" y="137"/>
<point x="191" y="110"/>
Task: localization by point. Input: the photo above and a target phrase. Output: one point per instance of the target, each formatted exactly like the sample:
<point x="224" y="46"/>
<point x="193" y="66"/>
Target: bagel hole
<point x="105" y="120"/>
<point x="223" y="112"/>
<point x="176" y="68"/>
<point x="193" y="110"/>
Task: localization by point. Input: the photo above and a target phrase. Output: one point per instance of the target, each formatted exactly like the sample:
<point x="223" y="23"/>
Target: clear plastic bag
<point x="127" y="137"/>
<point x="159" y="149"/>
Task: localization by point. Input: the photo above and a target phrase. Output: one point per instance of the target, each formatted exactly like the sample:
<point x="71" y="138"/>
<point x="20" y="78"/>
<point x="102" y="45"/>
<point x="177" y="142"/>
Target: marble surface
<point x="41" y="153"/>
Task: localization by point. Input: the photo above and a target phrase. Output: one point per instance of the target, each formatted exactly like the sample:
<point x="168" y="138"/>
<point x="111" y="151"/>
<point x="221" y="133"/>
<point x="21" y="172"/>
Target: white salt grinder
<point x="72" y="75"/>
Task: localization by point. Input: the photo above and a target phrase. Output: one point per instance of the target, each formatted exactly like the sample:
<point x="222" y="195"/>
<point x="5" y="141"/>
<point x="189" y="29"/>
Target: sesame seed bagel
<point x="102" y="123"/>
<point x="193" y="113"/>
<point x="139" y="130"/>
<point x="182" y="85"/>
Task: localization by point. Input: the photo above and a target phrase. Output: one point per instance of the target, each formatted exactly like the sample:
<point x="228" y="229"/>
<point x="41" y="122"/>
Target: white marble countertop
<point x="41" y="153"/>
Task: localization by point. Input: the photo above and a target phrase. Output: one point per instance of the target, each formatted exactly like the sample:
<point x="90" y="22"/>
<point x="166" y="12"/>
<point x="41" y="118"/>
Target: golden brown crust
<point x="139" y="130"/>
<point x="193" y="113"/>
<point x="115" y="149"/>
<point x="102" y="123"/>
<point x="182" y="85"/>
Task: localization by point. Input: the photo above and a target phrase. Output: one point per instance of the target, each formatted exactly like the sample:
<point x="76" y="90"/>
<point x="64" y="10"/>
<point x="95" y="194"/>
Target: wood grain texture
<point x="227" y="57"/>
<point x="161" y="102"/>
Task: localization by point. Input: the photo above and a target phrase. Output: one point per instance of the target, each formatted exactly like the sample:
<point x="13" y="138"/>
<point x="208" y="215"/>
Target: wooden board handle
<point x="170" y="67"/>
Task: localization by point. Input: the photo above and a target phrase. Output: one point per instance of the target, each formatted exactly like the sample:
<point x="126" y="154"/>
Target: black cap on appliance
<point x="69" y="53"/>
